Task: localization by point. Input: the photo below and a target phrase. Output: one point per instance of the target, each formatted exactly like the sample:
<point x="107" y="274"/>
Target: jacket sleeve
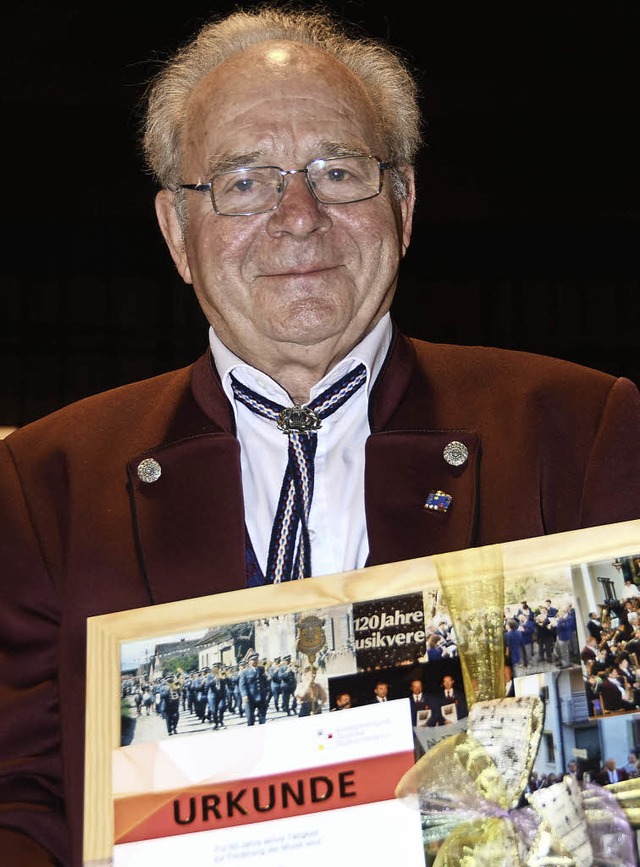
<point x="21" y="851"/>
<point x="32" y="827"/>
<point x="612" y="480"/>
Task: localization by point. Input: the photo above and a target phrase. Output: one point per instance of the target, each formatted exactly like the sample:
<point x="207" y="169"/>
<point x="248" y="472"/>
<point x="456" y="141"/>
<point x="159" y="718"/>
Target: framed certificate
<point x="212" y="726"/>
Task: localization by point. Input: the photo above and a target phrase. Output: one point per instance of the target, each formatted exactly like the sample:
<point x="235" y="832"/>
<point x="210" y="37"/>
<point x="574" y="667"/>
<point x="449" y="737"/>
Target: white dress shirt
<point x="337" y="523"/>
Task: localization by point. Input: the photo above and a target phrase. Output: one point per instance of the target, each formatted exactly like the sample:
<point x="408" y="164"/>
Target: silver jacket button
<point x="455" y="453"/>
<point x="149" y="470"/>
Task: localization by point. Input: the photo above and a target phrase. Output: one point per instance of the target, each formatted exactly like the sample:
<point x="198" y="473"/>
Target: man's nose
<point x="299" y="212"/>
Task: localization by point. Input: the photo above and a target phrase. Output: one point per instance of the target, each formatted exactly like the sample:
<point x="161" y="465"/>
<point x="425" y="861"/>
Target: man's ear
<point x="172" y="232"/>
<point x="407" y="204"/>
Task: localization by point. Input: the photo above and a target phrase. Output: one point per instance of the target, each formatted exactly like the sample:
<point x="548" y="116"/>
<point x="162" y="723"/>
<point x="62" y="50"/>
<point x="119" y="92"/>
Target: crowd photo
<point x="610" y="656"/>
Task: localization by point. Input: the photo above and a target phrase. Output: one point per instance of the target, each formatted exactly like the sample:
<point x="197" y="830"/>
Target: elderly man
<point x="311" y="437"/>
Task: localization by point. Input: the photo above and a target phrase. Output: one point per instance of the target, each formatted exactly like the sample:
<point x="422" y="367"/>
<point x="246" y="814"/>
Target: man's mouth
<point x="300" y="271"/>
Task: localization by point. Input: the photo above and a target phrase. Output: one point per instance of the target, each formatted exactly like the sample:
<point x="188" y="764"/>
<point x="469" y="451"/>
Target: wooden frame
<point x="470" y="570"/>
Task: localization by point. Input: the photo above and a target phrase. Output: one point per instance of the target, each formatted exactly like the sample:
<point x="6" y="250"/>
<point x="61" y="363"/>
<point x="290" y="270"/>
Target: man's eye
<point x="242" y="185"/>
<point x="337" y="175"/>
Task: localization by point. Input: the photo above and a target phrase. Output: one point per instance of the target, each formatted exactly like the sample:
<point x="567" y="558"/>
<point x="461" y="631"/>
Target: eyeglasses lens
<point x="338" y="180"/>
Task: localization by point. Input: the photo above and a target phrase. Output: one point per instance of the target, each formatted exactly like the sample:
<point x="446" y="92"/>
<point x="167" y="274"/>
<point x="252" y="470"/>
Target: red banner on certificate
<point x="242" y="802"/>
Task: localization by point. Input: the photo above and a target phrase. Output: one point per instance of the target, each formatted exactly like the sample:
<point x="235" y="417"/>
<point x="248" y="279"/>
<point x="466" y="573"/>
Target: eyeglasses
<point x="258" y="189"/>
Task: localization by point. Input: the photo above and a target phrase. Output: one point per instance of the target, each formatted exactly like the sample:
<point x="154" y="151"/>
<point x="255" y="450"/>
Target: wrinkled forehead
<point x="302" y="76"/>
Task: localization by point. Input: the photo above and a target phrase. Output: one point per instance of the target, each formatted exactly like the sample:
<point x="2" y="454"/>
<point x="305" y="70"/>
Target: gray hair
<point x="384" y="75"/>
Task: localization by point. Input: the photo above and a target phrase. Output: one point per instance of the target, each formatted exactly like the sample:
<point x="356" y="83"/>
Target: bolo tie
<point x="289" y="555"/>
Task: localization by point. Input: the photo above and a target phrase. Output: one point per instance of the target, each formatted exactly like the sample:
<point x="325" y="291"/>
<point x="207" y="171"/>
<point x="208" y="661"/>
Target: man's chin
<point x="308" y="328"/>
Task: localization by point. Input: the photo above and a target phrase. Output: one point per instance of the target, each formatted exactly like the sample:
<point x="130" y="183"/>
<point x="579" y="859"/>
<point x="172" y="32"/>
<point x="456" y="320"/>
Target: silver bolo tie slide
<point x="298" y="419"/>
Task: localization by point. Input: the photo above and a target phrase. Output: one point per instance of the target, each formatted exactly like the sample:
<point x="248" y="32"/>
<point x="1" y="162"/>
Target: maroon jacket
<point x="552" y="447"/>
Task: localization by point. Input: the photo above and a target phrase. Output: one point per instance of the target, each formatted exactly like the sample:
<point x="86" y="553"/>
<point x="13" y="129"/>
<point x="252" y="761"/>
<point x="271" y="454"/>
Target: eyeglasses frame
<point x="208" y="186"/>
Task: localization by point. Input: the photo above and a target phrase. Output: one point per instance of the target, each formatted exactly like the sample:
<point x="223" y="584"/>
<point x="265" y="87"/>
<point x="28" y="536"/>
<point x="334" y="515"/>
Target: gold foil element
<point x="491" y="761"/>
<point x="468" y="781"/>
<point x="472" y="584"/>
<point x="627" y="794"/>
<point x="482" y="843"/>
<point x="470" y="788"/>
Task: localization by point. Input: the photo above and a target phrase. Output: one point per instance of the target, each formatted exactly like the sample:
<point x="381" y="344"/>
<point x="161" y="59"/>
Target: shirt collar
<point x="371" y="351"/>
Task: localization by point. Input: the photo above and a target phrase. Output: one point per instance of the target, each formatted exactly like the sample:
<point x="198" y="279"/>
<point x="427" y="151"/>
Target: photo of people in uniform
<point x="255" y="672"/>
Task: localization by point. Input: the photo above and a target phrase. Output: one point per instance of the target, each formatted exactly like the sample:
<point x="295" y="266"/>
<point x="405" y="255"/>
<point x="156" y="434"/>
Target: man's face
<point x="381" y="690"/>
<point x="416" y="687"/>
<point x="306" y="281"/>
<point x="343" y="700"/>
<point x="447" y="682"/>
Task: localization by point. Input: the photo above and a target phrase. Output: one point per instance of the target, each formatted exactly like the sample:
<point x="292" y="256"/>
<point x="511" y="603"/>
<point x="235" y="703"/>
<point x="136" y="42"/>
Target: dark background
<point x="526" y="232"/>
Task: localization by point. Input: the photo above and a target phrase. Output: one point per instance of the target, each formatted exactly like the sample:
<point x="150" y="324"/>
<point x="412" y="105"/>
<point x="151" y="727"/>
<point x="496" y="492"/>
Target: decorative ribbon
<point x="476" y="606"/>
<point x="471" y="786"/>
<point x="475" y="813"/>
<point x="627" y="794"/>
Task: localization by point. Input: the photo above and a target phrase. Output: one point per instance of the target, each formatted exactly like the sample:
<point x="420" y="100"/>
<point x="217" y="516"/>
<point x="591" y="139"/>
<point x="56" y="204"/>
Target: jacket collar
<point x="190" y="522"/>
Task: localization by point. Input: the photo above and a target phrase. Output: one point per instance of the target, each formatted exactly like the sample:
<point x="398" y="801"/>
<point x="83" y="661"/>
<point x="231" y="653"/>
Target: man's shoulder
<point x="116" y="403"/>
<point x="487" y="362"/>
<point x="483" y="380"/>
<point x="137" y="413"/>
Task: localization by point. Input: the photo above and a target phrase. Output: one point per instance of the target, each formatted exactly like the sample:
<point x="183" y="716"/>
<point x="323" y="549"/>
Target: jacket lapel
<point x="402" y="469"/>
<point x="189" y="518"/>
<point x="405" y="463"/>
